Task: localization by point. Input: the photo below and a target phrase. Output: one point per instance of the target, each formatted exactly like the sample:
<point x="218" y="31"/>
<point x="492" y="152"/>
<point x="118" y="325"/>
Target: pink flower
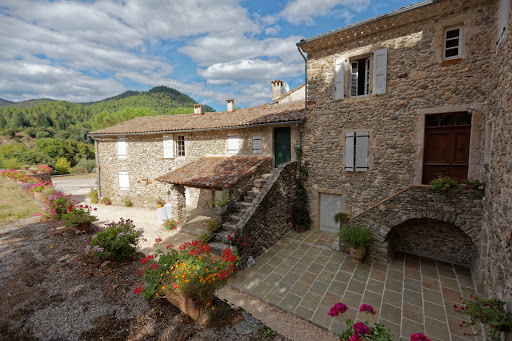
<point x="337" y="309"/>
<point x="354" y="338"/>
<point x="419" y="337"/>
<point x="367" y="309"/>
<point x="361" y="329"/>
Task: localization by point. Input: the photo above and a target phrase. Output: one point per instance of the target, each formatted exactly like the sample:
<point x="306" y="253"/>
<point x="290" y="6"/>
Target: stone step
<point x="252" y="193"/>
<point x="235" y="218"/>
<point x="248" y="199"/>
<point x="243" y="205"/>
<point x="218" y="247"/>
<point x="266" y="176"/>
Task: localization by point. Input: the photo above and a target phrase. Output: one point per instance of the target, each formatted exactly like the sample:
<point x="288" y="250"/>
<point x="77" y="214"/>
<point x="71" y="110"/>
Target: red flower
<point x="137" y="290"/>
<point x="158" y="240"/>
<point x="140" y="272"/>
<point x="154" y="266"/>
<point x="229" y="237"/>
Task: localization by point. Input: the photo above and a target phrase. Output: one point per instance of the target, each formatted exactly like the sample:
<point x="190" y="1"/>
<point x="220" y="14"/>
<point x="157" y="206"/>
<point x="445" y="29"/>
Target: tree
<point x="3" y="122"/>
<point x="62" y="166"/>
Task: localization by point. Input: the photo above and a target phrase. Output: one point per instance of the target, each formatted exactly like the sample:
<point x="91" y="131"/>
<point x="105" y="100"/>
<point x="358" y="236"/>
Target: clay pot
<point x="106" y="202"/>
<point x="358" y="254"/>
<point x="84" y="227"/>
<point x="159" y="205"/>
<point x="192" y="308"/>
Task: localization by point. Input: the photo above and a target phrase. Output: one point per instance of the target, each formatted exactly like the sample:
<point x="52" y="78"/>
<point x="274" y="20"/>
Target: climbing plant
<point x="300" y="211"/>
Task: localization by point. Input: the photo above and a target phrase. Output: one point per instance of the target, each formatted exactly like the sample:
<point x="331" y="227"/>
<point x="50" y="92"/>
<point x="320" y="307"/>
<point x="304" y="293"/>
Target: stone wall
<point x="497" y="223"/>
<point x="269" y="217"/>
<point x="417" y="83"/>
<point x="145" y="161"/>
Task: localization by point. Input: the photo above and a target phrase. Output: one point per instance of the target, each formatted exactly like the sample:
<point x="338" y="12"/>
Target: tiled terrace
<point x="302" y="275"/>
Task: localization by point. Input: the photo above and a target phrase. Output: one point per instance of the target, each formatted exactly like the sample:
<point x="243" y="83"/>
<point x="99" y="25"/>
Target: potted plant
<point x="357" y="238"/>
<point x="213" y="225"/>
<point x="93" y="195"/>
<point x="37" y="189"/>
<point x="221" y="204"/>
<point x="237" y="242"/>
<point x="33" y="170"/>
<point x="160" y="203"/>
<point x="44" y="169"/>
<point x="128" y="202"/>
<point x="79" y="217"/>
<point x="106" y="201"/>
<point x="170" y="224"/>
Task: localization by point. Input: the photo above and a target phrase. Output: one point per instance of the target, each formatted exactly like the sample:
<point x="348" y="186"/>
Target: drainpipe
<point x="305" y="103"/>
<point x="98" y="169"/>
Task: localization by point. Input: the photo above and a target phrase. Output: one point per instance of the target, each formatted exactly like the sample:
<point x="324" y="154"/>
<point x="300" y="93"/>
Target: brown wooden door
<point x="446" y="151"/>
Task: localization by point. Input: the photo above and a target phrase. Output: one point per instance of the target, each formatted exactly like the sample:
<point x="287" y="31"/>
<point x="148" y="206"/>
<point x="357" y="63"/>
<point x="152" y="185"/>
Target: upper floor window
<point x="360" y="77"/>
<point x="233" y="144"/>
<point x="180" y="146"/>
<point x="453" y="43"/>
<point x="121" y="148"/>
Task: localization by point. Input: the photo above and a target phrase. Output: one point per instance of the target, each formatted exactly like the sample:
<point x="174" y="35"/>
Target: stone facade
<point x="145" y="161"/>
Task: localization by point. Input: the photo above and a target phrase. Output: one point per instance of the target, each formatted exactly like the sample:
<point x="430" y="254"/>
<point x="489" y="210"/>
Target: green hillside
<point x="23" y="104"/>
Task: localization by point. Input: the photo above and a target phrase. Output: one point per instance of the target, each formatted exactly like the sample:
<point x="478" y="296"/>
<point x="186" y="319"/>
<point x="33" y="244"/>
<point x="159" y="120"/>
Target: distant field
<point x="15" y="204"/>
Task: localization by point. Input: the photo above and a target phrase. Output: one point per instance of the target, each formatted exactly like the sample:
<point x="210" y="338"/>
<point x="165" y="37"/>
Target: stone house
<point x="395" y="101"/>
<point x="187" y="160"/>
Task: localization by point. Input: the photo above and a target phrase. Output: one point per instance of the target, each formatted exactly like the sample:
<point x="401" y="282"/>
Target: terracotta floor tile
<point x="437" y="329"/>
<point x="446" y="272"/>
<point x="356" y="286"/>
<point x="413" y="265"/>
<point x="378" y="275"/>
<point x="409" y="326"/>
<point x="413" y="312"/>
<point x="451" y="295"/>
<point x="391" y="313"/>
<point x="412" y="274"/>
<point x="431" y="283"/>
<point x="433" y="296"/>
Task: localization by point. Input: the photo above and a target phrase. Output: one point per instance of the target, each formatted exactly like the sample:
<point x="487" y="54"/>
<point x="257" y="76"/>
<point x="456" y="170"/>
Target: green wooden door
<point x="282" y="145"/>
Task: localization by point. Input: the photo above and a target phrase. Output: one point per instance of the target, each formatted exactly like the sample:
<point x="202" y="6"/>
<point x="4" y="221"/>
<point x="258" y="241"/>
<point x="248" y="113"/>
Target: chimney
<point x="198" y="110"/>
<point x="231" y="104"/>
<point x="277" y="89"/>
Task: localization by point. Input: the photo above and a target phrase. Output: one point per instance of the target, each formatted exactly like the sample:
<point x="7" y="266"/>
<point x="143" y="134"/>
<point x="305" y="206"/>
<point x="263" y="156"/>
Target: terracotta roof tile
<point x="214" y="171"/>
<point x="261" y="114"/>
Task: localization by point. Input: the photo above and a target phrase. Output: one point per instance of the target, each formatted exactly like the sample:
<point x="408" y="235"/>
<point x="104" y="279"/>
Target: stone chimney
<point x="277" y="89"/>
<point x="231" y="104"/>
<point x="198" y="110"/>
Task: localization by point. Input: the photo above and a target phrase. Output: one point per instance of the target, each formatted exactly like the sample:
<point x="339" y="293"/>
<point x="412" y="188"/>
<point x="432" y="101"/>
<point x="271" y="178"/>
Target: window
<point x="360" y="77"/>
<point x="356" y="151"/>
<point x="181" y="145"/>
<point x="502" y="21"/>
<point x="121" y="148"/>
<point x="256" y="144"/>
<point x="124" y="181"/>
<point x="453" y="43"/>
<point x="168" y="147"/>
<point x="232" y="144"/>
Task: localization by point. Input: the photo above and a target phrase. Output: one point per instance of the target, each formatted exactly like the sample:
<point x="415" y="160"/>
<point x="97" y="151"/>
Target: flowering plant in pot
<point x="238" y="242"/>
<point x="55" y="206"/>
<point x="170" y="224"/>
<point x="213" y="225"/>
<point x="357" y="238"/>
<point x="106" y="201"/>
<point x="79" y="217"/>
<point x="44" y="169"/>
<point x="160" y="203"/>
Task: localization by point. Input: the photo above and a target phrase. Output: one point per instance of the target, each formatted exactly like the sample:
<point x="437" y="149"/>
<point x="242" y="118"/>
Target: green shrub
<point x="93" y="195"/>
<point x="221" y="201"/>
<point x="116" y="241"/>
<point x="341" y="217"/>
<point x="213" y="225"/>
<point x="62" y="166"/>
<point x="205" y="237"/>
<point x="76" y="215"/>
<point x="444" y="184"/>
<point x="170" y="224"/>
<point x="355" y="235"/>
<point x="10" y="163"/>
<point x="128" y="202"/>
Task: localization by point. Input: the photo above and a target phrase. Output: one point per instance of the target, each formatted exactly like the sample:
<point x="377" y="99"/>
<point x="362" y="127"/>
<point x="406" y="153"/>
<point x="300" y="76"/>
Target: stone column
<point x="179" y="204"/>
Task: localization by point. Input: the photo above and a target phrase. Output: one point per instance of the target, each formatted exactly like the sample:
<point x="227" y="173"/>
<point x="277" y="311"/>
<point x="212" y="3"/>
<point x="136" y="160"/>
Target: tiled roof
<point x="259" y="115"/>
<point x="289" y="93"/>
<point x="214" y="171"/>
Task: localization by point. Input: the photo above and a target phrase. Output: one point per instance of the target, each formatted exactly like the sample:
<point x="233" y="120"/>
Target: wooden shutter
<point x="232" y="143"/>
<point x="121" y="148"/>
<point x="339" y="79"/>
<point x="124" y="181"/>
<point x="168" y="147"/>
<point x="502" y="21"/>
<point x="361" y="151"/>
<point x="349" y="152"/>
<point x="256" y="144"/>
<point x="380" y="60"/>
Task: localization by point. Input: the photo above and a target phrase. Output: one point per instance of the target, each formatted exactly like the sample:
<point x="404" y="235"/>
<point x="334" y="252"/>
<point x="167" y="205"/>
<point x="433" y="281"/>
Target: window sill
<point x="355" y="99"/>
<point x="451" y="62"/>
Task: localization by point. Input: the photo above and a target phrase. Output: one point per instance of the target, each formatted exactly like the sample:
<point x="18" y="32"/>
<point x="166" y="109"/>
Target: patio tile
<point x="356" y="286"/>
<point x="321" y="317"/>
<point x="446" y="272"/>
<point x="322" y="259"/>
<point x="462" y="271"/>
<point x="395" y="328"/>
<point x="413" y="297"/>
<point x="338" y="287"/>
<point x="413" y="265"/>
<point x="327" y="253"/>
<point x="306" y="260"/>
<point x="292" y="246"/>
<point x="284" y="253"/>
<point x="311" y="301"/>
<point x="262" y="290"/>
<point x="252" y="282"/>
<point x="412" y="274"/>
<point x="396" y="275"/>
<point x="275" y="261"/>
<point x="331" y="298"/>
<point x="332" y="267"/>
<point x="441" y="264"/>
<point x="450" y="311"/>
<point x="273" y="299"/>
<point x="337" y="326"/>
<point x="361" y="275"/>
<point x="281" y="289"/>
<point x="394" y="285"/>
<point x="393" y="298"/>
<point x="338" y="257"/>
<point x="379" y="266"/>
<point x="449" y="283"/>
<point x="300" y="288"/>
<point x="352" y="299"/>
<point x="451" y="295"/>
<point x="290" y="302"/>
<point x="435" y="311"/>
<point x="319" y="288"/>
<point x="343" y="276"/>
<point x="303" y="312"/>
<point x="437" y="329"/>
<point x="325" y="276"/>
<point x="430" y="283"/>
<point x="348" y="266"/>
<point x="432" y="296"/>
<point x="320" y="242"/>
<point x="308" y="277"/>
<point x="453" y="325"/>
<point x="428" y="263"/>
<point x="366" y="266"/>
<point x="325" y="236"/>
<point x="375" y="286"/>
<point x="372" y="299"/>
<point x="290" y="278"/>
<point x="396" y="265"/>
<point x="273" y="278"/>
<point x="466" y="292"/>
<point x="266" y="269"/>
<point x="303" y="247"/>
<point x="413" y="312"/>
<point x="409" y="327"/>
<point x="391" y="313"/>
<point x="298" y="269"/>
<point x="378" y="275"/>
<point x="466" y="281"/>
<point x="291" y="261"/>
<point x="315" y="268"/>
<point x="412" y="285"/>
<point x="238" y="279"/>
<point x="428" y="272"/>
<point x="282" y="269"/>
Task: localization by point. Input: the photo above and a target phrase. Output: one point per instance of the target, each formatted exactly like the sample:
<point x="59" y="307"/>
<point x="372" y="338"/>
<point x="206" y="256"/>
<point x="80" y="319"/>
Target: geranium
<point x="213" y="225"/>
<point x="360" y="329"/>
<point x="170" y="224"/>
<point x="419" y="337"/>
<point x="44" y="168"/>
<point x="76" y="215"/>
<point x="56" y="205"/>
<point x="237" y="240"/>
<point x="367" y="309"/>
<point x="337" y="309"/>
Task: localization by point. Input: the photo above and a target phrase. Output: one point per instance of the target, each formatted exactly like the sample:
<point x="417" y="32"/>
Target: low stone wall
<point x="269" y="217"/>
<point x="43" y="177"/>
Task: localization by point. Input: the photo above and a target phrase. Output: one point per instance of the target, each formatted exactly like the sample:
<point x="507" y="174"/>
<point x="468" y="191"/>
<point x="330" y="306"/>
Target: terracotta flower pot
<point x="84" y="227"/>
<point x="358" y="254"/>
<point x="159" y="205"/>
<point x="39" y="196"/>
<point x="192" y="308"/>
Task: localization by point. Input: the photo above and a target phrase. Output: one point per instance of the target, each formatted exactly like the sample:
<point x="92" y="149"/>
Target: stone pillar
<point x="179" y="204"/>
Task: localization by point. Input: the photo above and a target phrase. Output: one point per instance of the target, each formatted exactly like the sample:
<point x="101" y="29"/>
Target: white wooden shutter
<point x="256" y="144"/>
<point x="380" y="60"/>
<point x="121" y="148"/>
<point x="349" y="152"/>
<point x="232" y="143"/>
<point x="168" y="147"/>
<point x="339" y="79"/>
<point x="124" y="181"/>
<point x="362" y="152"/>
<point x="502" y="21"/>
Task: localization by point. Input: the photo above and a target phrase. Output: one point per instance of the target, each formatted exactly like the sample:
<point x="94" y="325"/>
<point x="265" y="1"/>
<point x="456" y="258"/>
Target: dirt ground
<point x="48" y="291"/>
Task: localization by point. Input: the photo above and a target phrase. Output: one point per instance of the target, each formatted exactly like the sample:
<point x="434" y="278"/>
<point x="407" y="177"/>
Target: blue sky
<point x="209" y="49"/>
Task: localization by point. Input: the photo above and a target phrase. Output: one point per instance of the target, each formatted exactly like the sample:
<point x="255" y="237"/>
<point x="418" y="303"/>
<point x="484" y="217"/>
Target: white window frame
<point x="179" y="152"/>
<point x="366" y="74"/>
<point x="122" y="147"/>
<point x="168" y="150"/>
<point x="255" y="140"/>
<point x="502" y="21"/>
<point x="354" y="161"/>
<point x="459" y="46"/>
<point x="124" y="174"/>
<point x="231" y="149"/>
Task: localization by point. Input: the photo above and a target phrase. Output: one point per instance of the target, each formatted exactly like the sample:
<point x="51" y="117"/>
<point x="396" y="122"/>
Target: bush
<point x="355" y="235"/>
<point x="62" y="166"/>
<point x="213" y="225"/>
<point x="116" y="241"/>
<point x="55" y="206"/>
<point x="341" y="217"/>
<point x="237" y="241"/>
<point x="170" y="224"/>
<point x="128" y="202"/>
<point x="76" y="215"/>
<point x="93" y="195"/>
<point x="10" y="163"/>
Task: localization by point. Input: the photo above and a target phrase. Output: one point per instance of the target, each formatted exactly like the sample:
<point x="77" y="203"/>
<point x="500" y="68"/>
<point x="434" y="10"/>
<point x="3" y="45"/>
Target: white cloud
<point x="273" y="30"/>
<point x="304" y="11"/>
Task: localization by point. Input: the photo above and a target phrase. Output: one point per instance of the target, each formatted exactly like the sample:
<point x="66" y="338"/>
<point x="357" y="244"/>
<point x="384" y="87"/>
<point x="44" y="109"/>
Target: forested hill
<point x="23" y="104"/>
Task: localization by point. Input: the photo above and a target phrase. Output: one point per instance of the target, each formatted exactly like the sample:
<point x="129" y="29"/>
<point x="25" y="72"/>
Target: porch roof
<point x="215" y="172"/>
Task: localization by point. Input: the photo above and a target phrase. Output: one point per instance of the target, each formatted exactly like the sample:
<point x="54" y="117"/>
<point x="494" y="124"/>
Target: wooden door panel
<point x="437" y="151"/>
<point x="460" y="147"/>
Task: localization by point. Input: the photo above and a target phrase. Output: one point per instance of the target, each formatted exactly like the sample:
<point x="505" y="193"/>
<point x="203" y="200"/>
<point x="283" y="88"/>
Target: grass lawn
<point x="15" y="204"/>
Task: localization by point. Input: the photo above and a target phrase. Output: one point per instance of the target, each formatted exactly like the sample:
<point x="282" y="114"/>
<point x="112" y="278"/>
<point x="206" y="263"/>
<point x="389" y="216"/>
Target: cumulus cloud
<point x="305" y="11"/>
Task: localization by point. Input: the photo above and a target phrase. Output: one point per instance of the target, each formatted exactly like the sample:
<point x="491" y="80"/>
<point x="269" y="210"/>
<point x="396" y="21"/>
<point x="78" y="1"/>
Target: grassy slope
<point x="15" y="204"/>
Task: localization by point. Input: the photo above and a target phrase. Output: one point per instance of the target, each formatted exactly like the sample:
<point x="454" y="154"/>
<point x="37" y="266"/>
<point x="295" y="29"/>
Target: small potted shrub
<point x="237" y="242"/>
<point x="160" y="203"/>
<point x="106" y="201"/>
<point x="37" y="188"/>
<point x="213" y="225"/>
<point x="44" y="169"/>
<point x="93" y="195"/>
<point x="170" y="224"/>
<point x="79" y="217"/>
<point x="357" y="238"/>
<point x="128" y="202"/>
<point x="221" y="204"/>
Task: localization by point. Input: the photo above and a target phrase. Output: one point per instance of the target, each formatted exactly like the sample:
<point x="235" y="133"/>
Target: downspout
<point x="305" y="105"/>
<point x="98" y="168"/>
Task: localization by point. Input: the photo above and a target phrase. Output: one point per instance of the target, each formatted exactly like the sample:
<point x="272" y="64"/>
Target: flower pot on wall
<point x="159" y="205"/>
<point x="358" y="254"/>
<point x="192" y="308"/>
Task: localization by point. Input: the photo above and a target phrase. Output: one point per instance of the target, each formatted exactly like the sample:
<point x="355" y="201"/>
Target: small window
<point x="232" y="144"/>
<point x="256" y="144"/>
<point x="181" y="145"/>
<point x="124" y="181"/>
<point x="356" y="150"/>
<point x="453" y="43"/>
<point x="121" y="148"/>
<point x="360" y="77"/>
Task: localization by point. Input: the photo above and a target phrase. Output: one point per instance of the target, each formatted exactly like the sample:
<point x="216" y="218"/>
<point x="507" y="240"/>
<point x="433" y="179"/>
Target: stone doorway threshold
<point x="302" y="275"/>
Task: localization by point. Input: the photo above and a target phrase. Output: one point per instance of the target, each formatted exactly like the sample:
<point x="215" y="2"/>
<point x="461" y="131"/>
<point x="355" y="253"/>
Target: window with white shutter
<point x="168" y="147"/>
<point x="502" y="21"/>
<point x="256" y="144"/>
<point x="232" y="144"/>
<point x="121" y="148"/>
<point x="380" y="60"/>
<point x="124" y="181"/>
<point x="339" y="79"/>
<point x="356" y="151"/>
